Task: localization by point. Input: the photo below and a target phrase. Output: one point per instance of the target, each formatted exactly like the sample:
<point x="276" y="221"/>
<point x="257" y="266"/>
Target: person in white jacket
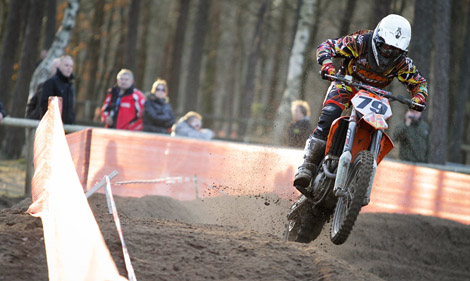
<point x="190" y="125"/>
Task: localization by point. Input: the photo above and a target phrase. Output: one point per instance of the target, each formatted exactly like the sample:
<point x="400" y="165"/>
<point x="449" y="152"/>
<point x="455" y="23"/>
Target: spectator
<point x="42" y="56"/>
<point x="2" y="112"/>
<point x="123" y="106"/>
<point x="412" y="135"/>
<point x="300" y="127"/>
<point x="53" y="68"/>
<point x="60" y="84"/>
<point x="158" y="115"/>
<point x="190" y="125"/>
<point x="33" y="108"/>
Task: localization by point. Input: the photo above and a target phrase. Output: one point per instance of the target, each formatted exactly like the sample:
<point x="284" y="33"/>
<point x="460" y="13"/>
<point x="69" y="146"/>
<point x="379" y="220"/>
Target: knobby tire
<point x="346" y="211"/>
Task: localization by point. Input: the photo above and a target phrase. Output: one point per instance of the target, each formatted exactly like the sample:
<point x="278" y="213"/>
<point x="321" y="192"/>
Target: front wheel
<point x="348" y="206"/>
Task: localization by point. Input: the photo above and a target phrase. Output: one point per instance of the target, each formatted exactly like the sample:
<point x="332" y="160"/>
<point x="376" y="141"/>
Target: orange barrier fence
<point x="240" y="169"/>
<point x="75" y="248"/>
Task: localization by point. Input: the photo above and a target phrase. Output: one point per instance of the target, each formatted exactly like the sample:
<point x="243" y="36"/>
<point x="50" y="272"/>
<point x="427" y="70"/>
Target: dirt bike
<point x="343" y="180"/>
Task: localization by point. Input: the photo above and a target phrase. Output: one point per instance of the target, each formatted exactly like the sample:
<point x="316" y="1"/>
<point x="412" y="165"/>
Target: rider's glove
<point x="327" y="68"/>
<point x="419" y="99"/>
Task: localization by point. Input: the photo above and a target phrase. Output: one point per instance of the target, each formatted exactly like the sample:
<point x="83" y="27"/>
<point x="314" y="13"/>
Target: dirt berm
<point x="239" y="238"/>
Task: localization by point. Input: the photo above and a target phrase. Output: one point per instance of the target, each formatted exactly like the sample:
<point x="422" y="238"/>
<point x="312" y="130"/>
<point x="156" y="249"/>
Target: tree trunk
<point x="142" y="48"/>
<point x="381" y="8"/>
<point x="248" y="92"/>
<point x="207" y="103"/>
<point x="294" y="75"/>
<point x="420" y="49"/>
<point x="4" y="15"/>
<point x="345" y="25"/>
<point x="272" y="100"/>
<point x="200" y="29"/>
<point x="10" y="48"/>
<point x="57" y="49"/>
<point x="50" y="24"/>
<point x="119" y="54"/>
<point x="439" y="98"/>
<point x="458" y="120"/>
<point x="93" y="54"/>
<point x="310" y="51"/>
<point x="132" y="32"/>
<point x="178" y="44"/>
<point x="15" y="136"/>
<point x="106" y="68"/>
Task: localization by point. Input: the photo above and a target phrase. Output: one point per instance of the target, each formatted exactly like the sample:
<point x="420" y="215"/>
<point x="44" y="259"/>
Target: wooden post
<point x="30" y="134"/>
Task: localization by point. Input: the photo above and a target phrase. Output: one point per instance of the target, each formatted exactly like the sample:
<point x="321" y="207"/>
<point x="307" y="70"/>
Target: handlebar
<point x="348" y="80"/>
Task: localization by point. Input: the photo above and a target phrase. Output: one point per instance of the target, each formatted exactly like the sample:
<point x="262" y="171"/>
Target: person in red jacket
<point x="123" y="106"/>
<point x="373" y="57"/>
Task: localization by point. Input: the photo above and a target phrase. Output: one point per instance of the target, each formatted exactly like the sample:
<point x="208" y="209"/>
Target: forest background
<point x="229" y="60"/>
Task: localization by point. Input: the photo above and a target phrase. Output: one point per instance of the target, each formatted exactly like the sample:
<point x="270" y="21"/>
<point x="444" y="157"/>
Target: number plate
<point x="368" y="104"/>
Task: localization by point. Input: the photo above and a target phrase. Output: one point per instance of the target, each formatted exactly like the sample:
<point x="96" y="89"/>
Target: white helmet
<point x="391" y="39"/>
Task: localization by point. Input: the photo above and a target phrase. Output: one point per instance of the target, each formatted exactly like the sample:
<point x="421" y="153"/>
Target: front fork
<point x="346" y="157"/>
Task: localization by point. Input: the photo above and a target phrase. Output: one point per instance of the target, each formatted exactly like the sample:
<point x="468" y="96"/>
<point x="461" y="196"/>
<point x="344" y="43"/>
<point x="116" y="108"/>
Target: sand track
<point x="239" y="238"/>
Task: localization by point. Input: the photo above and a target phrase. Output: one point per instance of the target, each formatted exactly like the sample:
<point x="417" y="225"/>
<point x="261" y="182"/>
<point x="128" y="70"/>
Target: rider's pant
<point x="336" y="100"/>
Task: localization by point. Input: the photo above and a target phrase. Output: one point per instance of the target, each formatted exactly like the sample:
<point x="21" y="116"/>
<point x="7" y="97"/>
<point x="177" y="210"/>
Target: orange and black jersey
<point x="359" y="62"/>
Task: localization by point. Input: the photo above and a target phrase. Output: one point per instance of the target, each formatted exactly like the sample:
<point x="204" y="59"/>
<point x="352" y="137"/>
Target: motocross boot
<point x="313" y="154"/>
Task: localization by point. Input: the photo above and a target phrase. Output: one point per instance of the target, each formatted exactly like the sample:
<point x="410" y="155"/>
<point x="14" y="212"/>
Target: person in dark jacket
<point x="300" y="128"/>
<point x="413" y="137"/>
<point x="2" y="112"/>
<point x="61" y="85"/>
<point x="158" y="116"/>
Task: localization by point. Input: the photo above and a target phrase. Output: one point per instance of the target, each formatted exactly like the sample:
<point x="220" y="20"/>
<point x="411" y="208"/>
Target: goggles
<point x="387" y="50"/>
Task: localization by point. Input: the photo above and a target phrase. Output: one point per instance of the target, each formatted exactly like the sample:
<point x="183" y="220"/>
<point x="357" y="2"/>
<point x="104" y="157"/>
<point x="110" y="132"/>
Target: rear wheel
<point x="348" y="207"/>
<point x="311" y="226"/>
<point x="306" y="226"/>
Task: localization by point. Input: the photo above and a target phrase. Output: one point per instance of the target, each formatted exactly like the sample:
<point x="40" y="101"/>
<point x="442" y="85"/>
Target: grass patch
<point x="12" y="177"/>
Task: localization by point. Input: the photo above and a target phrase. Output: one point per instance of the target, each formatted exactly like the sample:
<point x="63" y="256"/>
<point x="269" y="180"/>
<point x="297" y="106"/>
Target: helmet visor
<point x="387" y="50"/>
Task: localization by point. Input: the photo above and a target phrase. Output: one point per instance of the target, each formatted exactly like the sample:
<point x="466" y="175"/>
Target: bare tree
<point x="380" y="9"/>
<point x="120" y="52"/>
<point x="272" y="100"/>
<point x="93" y="53"/>
<point x="10" y="47"/>
<point x="4" y="6"/>
<point x="50" y="24"/>
<point x="458" y="119"/>
<point x="248" y="91"/>
<point x="142" y="47"/>
<point x="177" y="54"/>
<point x="310" y="51"/>
<point x="344" y="27"/>
<point x="206" y="101"/>
<point x="106" y="68"/>
<point x="439" y="99"/>
<point x="194" y="70"/>
<point x="294" y="75"/>
<point x="420" y="49"/>
<point x="29" y="54"/>
<point x="57" y="49"/>
<point x="132" y="35"/>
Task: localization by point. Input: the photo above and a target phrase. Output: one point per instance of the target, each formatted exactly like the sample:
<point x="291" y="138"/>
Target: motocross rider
<point x="373" y="57"/>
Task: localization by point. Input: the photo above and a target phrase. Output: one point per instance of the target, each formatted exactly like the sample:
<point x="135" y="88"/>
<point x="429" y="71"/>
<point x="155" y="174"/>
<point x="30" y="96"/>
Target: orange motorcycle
<point x="343" y="181"/>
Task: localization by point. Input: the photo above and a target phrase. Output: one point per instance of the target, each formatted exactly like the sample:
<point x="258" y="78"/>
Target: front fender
<point x="363" y="139"/>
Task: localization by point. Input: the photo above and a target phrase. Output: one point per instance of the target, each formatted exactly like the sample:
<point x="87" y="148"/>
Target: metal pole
<point x="195" y="185"/>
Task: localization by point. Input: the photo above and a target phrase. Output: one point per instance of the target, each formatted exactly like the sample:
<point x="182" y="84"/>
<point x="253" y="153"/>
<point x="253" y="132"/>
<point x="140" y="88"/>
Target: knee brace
<point x="329" y="113"/>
